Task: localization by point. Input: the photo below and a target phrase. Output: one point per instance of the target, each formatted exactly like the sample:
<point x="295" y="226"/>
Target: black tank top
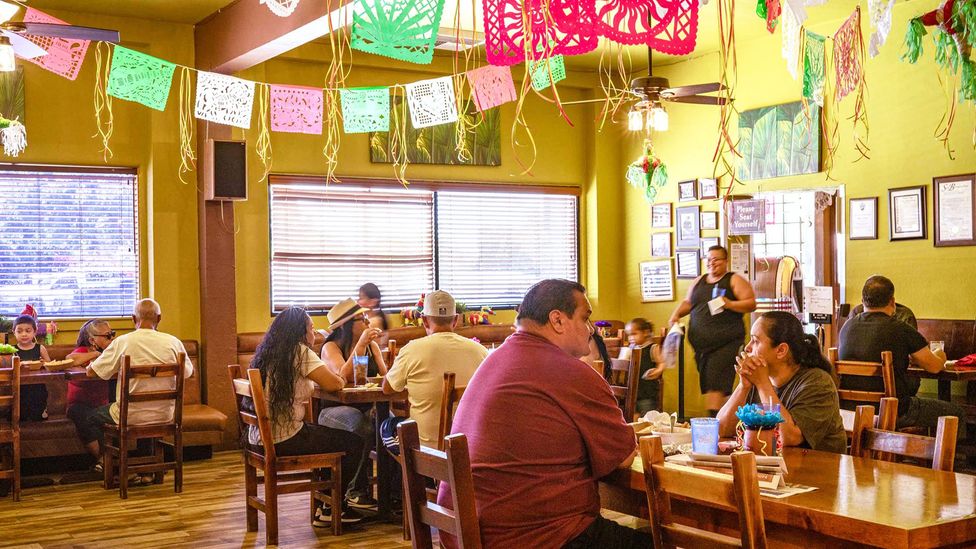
<point x="712" y="331"/>
<point x="29" y="354"/>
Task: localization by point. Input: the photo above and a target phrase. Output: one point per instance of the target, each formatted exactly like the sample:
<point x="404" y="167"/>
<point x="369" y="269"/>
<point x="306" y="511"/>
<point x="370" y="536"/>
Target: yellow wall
<point x="904" y="105"/>
<point x="60" y="124"/>
<point x="567" y="156"/>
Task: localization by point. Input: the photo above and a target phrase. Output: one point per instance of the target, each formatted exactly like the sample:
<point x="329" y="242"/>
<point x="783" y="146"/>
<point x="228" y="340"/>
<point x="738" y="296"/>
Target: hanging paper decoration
<point x="648" y="173"/>
<point x="296" y="109"/>
<point x="188" y="150"/>
<point x="224" y="99"/>
<point x="281" y="8"/>
<point x="13" y="134"/>
<point x="955" y="36"/>
<point x="431" y="102"/>
<point x="262" y="145"/>
<point x="772" y="13"/>
<point x="813" y="68"/>
<point x="491" y="86"/>
<point x="556" y="27"/>
<point x="669" y="26"/>
<point x="141" y="78"/>
<point x="879" y="13"/>
<point x="848" y="55"/>
<point x="792" y="25"/>
<point x="401" y="29"/>
<point x="64" y="55"/>
<point x="104" y="120"/>
<point x="365" y="109"/>
<point x="547" y="72"/>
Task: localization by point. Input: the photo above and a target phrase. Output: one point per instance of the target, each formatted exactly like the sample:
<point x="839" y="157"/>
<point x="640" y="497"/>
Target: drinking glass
<point x="936" y="346"/>
<point x="359" y="367"/>
<point x="704" y="435"/>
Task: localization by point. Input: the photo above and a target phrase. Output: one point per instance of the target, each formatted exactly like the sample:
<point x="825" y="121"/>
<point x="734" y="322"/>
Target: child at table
<point x="33" y="397"/>
<point x="639" y="334"/>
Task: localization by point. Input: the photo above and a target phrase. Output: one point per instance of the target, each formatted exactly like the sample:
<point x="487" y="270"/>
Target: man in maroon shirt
<point x="542" y="427"/>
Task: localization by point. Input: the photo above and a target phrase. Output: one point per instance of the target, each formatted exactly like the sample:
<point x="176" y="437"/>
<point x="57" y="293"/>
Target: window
<point x="484" y="246"/>
<point x="70" y="241"/>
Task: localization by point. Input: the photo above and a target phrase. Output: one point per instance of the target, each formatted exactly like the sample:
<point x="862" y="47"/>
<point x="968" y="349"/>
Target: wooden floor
<point x="209" y="513"/>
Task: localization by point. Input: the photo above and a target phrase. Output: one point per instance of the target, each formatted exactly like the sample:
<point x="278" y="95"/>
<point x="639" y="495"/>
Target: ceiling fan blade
<point x="23" y="47"/>
<point x="684" y="91"/>
<point x="698" y="100"/>
<point x="72" y="32"/>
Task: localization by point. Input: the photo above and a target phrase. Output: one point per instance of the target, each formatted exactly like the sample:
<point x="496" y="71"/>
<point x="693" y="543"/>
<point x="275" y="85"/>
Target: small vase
<point x="760" y="441"/>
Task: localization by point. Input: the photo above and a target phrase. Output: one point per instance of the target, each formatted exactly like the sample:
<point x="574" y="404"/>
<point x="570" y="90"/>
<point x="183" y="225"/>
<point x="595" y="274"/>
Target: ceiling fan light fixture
<point x="7" y="10"/>
<point x="635" y="120"/>
<point x="658" y="119"/>
<point x="7" y="58"/>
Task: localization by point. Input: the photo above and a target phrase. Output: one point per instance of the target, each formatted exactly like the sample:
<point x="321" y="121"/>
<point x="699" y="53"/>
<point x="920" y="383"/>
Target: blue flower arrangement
<point x="754" y="417"/>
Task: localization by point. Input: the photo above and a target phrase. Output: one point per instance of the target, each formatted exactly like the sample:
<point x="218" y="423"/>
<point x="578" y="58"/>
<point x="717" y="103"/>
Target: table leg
<point x="384" y="463"/>
<point x="945" y="390"/>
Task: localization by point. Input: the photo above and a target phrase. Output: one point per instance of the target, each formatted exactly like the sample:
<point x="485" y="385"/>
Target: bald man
<point x="145" y="345"/>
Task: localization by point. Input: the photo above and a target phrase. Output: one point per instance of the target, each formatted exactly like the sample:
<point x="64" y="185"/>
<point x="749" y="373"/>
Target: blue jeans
<point x="353" y="420"/>
<point x="925" y="412"/>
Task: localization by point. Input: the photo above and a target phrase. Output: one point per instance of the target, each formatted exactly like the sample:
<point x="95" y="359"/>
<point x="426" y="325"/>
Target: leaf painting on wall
<point x="779" y="141"/>
<point x="12" y="94"/>
<point x="437" y="144"/>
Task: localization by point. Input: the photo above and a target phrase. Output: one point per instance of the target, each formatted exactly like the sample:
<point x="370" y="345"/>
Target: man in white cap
<point x="420" y="366"/>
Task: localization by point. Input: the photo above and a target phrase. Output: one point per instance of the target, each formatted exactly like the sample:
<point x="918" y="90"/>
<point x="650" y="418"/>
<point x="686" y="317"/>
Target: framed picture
<point x="863" y="218"/>
<point x="906" y="213"/>
<point x="688" y="227"/>
<point x="661" y="216"/>
<point x="955" y="210"/>
<point x="706" y="243"/>
<point x="709" y="221"/>
<point x="689" y="266"/>
<point x="687" y="191"/>
<point x="707" y="188"/>
<point x="657" y="281"/>
<point x="661" y="245"/>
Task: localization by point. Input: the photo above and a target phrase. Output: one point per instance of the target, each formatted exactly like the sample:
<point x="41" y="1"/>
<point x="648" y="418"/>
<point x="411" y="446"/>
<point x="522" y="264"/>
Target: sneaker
<point x="98" y="468"/>
<point x="362" y="502"/>
<point x="323" y="517"/>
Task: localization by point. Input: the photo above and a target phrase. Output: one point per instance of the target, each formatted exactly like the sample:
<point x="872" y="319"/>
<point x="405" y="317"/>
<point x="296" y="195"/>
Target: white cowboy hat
<point x="342" y="312"/>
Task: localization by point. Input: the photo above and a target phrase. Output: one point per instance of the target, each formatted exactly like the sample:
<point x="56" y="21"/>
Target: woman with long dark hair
<point x="288" y="369"/>
<point x="782" y="365"/>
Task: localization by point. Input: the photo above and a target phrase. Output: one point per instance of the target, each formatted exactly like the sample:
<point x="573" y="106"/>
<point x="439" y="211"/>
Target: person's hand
<point x="753" y="369"/>
<point x="369" y="335"/>
<point x="652" y="374"/>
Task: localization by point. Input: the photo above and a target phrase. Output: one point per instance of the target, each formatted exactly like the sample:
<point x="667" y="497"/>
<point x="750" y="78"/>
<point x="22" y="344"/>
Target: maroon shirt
<point x="92" y="392"/>
<point x="542" y="427"/>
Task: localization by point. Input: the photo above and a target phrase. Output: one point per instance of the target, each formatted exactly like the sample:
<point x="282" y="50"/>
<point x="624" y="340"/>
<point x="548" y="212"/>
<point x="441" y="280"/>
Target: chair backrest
<point x="252" y="388"/>
<point x="628" y="392"/>
<point x="740" y="492"/>
<point x="131" y="395"/>
<point x="452" y="466"/>
<point x="883" y="370"/>
<point x="450" y="395"/>
<point x="941" y="450"/>
<point x="10" y="392"/>
<point x="236" y="372"/>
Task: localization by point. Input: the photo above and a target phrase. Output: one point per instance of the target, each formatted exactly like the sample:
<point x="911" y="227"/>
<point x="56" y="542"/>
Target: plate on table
<point x="57" y="365"/>
<point x="32" y="364"/>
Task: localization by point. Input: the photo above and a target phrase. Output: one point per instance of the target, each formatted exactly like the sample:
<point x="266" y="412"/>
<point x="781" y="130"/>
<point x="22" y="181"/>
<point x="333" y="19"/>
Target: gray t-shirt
<point x="811" y="398"/>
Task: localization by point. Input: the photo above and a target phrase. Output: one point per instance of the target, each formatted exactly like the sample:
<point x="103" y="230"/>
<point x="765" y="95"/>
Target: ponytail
<point x="810" y="355"/>
<point x="783" y="327"/>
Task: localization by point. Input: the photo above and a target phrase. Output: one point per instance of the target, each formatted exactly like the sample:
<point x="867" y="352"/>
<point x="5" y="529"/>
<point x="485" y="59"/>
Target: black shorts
<point x="716" y="367"/>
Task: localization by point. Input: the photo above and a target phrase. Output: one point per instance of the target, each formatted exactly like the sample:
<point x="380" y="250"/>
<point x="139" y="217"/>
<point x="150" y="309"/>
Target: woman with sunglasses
<point x="84" y="397"/>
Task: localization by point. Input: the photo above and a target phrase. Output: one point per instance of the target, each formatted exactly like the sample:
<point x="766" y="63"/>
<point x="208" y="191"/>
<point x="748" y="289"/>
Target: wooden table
<point x="858" y="503"/>
<point x="37" y="377"/>
<point x="384" y="461"/>
<point x="945" y="379"/>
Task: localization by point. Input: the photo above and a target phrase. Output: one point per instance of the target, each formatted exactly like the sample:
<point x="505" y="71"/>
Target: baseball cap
<point x="439" y="303"/>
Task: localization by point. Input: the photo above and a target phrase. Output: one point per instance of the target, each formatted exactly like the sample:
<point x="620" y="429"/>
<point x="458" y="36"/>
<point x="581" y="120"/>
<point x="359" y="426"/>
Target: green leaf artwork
<point x="541" y="72"/>
<point x="365" y="109"/>
<point x="779" y="141"/>
<point x="142" y="78"/>
<point x="813" y="68"/>
<point x="401" y="29"/>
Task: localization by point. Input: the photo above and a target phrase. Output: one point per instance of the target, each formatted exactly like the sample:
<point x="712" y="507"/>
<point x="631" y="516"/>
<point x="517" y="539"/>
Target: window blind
<point x="326" y="241"/>
<point x="70" y="242"/>
<point x="493" y="245"/>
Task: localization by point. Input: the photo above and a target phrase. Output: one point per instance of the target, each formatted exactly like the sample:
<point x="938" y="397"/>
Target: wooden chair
<point x="450" y="395"/>
<point x="452" y="466"/>
<point x="10" y="429"/>
<point x="941" y="450"/>
<point x="120" y="437"/>
<point x="739" y="493"/>
<point x="883" y="370"/>
<point x="281" y="474"/>
<point x="626" y="375"/>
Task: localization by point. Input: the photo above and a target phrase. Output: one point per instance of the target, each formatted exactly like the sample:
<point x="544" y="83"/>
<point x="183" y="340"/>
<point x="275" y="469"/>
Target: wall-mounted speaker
<point x="226" y="170"/>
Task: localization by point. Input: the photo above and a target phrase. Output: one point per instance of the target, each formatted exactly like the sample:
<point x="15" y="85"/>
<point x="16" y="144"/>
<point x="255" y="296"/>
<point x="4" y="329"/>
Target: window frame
<point x="432" y="186"/>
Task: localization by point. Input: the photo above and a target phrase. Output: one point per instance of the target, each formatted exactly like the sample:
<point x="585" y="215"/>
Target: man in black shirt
<point x="866" y="335"/>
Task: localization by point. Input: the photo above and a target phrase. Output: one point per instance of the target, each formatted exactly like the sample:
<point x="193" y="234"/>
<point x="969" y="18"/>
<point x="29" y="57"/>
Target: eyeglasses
<point x="109" y="335"/>
<point x="711" y="260"/>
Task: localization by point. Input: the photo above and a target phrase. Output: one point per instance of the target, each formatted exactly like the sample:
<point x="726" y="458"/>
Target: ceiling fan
<point x="13" y="35"/>
<point x="653" y="91"/>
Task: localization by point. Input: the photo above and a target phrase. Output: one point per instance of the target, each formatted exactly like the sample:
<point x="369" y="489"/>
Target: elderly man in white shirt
<point x="143" y="346"/>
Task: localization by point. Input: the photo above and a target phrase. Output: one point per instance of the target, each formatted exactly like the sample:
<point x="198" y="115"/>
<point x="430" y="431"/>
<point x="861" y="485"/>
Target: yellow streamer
<point x="104" y="122"/>
<point x="398" y="134"/>
<point x="944" y="127"/>
<point x="263" y="144"/>
<point x="188" y="154"/>
<point x="335" y="78"/>
<point x="725" y="149"/>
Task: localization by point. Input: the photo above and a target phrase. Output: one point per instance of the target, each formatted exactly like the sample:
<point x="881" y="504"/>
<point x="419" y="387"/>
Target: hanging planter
<point x="648" y="173"/>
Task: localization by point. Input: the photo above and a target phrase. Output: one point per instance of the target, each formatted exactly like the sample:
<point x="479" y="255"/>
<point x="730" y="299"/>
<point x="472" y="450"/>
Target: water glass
<point x="937" y="346"/>
<point x="359" y="367"/>
<point x="704" y="435"/>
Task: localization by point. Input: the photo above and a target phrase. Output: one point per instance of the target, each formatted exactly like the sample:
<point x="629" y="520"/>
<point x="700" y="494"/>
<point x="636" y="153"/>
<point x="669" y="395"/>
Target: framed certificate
<point x="955" y="210"/>
<point x="689" y="265"/>
<point x="707" y="188"/>
<point x="661" y="245"/>
<point x="661" y="216"/>
<point x="906" y="213"/>
<point x="709" y="221"/>
<point x="657" y="281"/>
<point x="687" y="191"/>
<point x="863" y="218"/>
<point x="689" y="228"/>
